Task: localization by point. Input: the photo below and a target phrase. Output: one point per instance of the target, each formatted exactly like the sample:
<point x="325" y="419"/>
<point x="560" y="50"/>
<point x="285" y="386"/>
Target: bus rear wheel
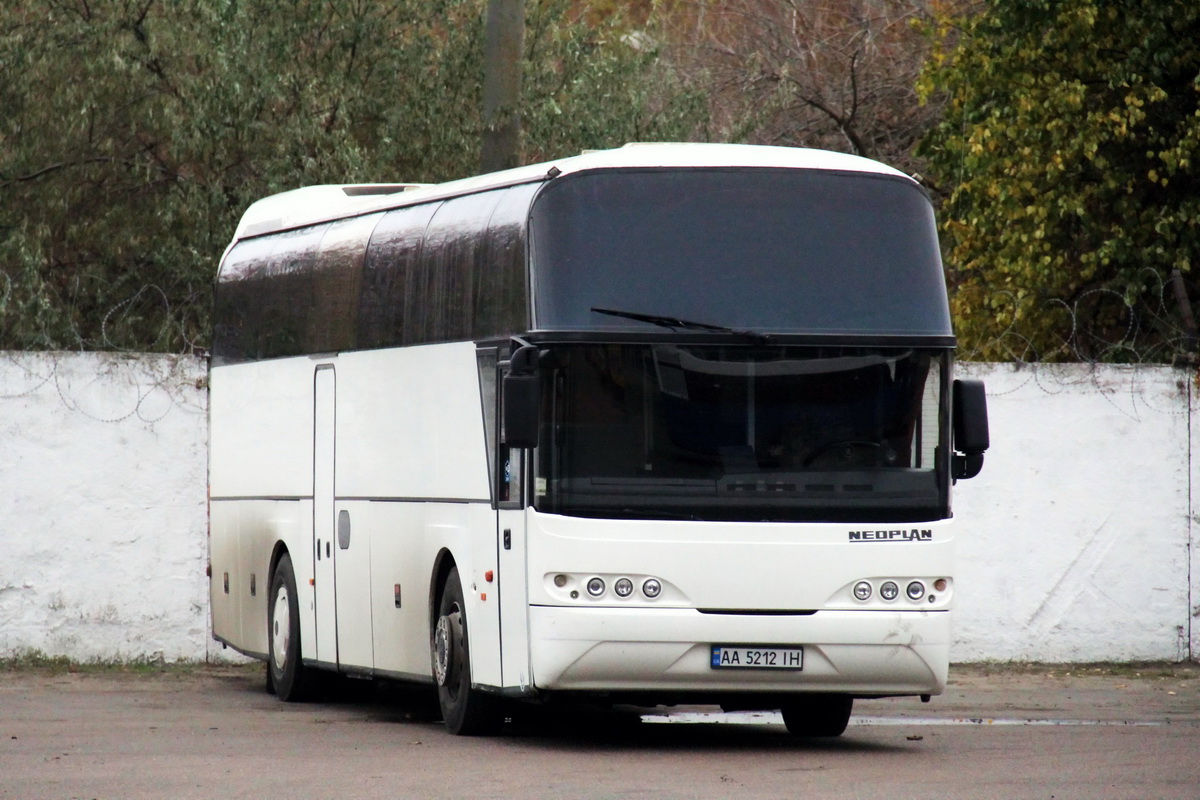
<point x="466" y="711"/>
<point x="818" y="714"/>
<point x="288" y="676"/>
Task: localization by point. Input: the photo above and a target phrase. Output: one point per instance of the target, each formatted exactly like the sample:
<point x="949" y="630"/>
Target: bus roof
<point x="314" y="204"/>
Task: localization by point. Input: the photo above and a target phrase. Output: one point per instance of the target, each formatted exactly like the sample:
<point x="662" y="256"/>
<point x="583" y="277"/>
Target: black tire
<point x="818" y="714"/>
<point x="286" y="673"/>
<point x="465" y="711"/>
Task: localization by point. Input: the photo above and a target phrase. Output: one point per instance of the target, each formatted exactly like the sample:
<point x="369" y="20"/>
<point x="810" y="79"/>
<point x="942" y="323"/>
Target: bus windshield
<point x="776" y="251"/>
<point x="742" y="432"/>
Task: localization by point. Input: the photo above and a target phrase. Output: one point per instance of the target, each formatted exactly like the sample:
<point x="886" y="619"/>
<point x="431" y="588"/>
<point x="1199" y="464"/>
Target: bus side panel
<point x="405" y="541"/>
<point x="223" y="562"/>
<point x="244" y="534"/>
<point x="485" y="599"/>
<point x="261" y="429"/>
<point x="399" y="557"/>
<point x="410" y="424"/>
<point x="410" y="448"/>
<point x="260" y="484"/>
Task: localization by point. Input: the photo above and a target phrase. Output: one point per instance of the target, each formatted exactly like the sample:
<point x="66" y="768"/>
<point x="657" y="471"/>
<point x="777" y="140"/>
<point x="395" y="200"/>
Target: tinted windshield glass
<point x="802" y="251"/>
<point x="741" y="432"/>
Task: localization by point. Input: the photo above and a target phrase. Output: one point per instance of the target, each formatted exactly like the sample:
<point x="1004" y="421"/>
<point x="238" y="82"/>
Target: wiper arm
<point x="675" y="323"/>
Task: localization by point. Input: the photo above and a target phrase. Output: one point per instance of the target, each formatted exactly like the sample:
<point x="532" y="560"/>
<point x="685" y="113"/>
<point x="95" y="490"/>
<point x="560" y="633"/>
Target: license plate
<point x="766" y="657"/>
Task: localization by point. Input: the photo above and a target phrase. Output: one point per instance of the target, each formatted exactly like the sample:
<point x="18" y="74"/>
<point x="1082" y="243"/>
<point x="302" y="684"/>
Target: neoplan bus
<point x="661" y="424"/>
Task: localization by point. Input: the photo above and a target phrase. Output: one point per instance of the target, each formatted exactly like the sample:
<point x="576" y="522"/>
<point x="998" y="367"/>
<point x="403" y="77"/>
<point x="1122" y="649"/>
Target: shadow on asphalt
<point x="564" y="726"/>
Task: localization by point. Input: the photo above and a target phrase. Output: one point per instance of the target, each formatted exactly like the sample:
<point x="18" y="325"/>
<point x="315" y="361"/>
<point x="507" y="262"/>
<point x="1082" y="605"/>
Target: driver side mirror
<point x="522" y="398"/>
<point x="971" y="438"/>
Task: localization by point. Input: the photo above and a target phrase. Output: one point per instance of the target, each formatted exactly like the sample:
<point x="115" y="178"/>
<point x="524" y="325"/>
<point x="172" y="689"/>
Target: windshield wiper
<point x="675" y="323"/>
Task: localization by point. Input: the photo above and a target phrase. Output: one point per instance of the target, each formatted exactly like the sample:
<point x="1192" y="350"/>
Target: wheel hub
<point x="281" y="629"/>
<point x="441" y="650"/>
<point x="447" y="649"/>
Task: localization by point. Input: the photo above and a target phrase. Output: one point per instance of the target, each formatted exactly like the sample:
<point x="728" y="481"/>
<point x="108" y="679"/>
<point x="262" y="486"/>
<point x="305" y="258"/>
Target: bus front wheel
<point x="287" y="673"/>
<point x="466" y="711"/>
<point x="818" y="714"/>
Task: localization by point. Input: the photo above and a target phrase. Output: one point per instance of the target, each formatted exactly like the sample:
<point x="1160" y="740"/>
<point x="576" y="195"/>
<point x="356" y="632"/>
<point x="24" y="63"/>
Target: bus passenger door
<point x="324" y="536"/>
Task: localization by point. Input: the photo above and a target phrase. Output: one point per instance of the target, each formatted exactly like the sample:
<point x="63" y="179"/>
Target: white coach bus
<point x="660" y="424"/>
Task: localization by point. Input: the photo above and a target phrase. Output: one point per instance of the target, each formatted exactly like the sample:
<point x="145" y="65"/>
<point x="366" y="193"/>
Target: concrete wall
<point x="1077" y="539"/>
<point x="103" y="532"/>
<point x="1077" y="542"/>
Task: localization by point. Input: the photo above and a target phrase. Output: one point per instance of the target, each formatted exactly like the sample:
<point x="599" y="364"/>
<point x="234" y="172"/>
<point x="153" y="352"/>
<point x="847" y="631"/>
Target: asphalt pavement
<point x="204" y="732"/>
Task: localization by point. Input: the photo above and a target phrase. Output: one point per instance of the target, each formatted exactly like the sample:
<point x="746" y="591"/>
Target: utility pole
<point x="503" y="52"/>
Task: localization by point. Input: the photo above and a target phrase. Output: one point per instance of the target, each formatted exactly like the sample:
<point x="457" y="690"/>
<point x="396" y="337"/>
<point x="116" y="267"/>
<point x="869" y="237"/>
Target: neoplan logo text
<point x="914" y="535"/>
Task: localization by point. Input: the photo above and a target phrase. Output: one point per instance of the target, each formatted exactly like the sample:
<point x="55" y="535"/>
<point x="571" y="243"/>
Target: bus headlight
<point x="623" y="587"/>
<point x="595" y="587"/>
<point x="889" y="590"/>
<point x="651" y="588"/>
<point x="915" y="590"/>
<point x="862" y="590"/>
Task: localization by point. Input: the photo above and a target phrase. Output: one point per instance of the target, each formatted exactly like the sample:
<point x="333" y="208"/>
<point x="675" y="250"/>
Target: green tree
<point x="135" y="132"/>
<point x="1069" y="156"/>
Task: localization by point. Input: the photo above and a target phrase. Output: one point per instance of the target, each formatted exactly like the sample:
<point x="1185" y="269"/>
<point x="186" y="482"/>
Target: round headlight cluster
<point x="598" y="586"/>
<point x="889" y="590"/>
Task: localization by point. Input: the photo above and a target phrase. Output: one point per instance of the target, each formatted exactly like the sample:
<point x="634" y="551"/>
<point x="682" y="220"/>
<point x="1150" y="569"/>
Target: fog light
<point x="623" y="587"/>
<point x="915" y="590"/>
<point x="889" y="590"/>
<point x="595" y="587"/>
<point x="862" y="590"/>
<point x="651" y="588"/>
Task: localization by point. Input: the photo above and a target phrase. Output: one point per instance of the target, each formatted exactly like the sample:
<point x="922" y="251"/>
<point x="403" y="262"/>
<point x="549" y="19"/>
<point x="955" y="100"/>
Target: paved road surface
<point x="213" y="733"/>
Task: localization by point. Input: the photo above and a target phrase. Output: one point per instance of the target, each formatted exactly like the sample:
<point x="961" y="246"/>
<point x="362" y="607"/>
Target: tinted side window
<point x="390" y="305"/>
<point x="451" y="261"/>
<point x="500" y="291"/>
<point x="264" y="294"/>
<point x="448" y="271"/>
<point x="292" y="293"/>
<point x="452" y="270"/>
<point x="235" y="308"/>
<point x="336" y="279"/>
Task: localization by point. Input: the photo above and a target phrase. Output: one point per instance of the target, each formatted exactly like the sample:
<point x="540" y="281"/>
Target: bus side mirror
<point x="522" y="399"/>
<point x="971" y="439"/>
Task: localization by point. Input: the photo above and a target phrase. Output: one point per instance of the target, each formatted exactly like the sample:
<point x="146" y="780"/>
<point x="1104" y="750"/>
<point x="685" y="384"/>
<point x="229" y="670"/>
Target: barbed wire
<point x="107" y="388"/>
<point x="1143" y="328"/>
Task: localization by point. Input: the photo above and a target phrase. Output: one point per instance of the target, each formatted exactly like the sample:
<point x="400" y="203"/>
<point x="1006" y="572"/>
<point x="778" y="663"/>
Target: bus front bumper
<point x="669" y="651"/>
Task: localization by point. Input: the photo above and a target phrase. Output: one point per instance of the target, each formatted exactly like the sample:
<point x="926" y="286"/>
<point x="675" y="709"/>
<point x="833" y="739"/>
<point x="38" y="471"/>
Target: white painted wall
<point x="1076" y="541"/>
<point x="102" y="506"/>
